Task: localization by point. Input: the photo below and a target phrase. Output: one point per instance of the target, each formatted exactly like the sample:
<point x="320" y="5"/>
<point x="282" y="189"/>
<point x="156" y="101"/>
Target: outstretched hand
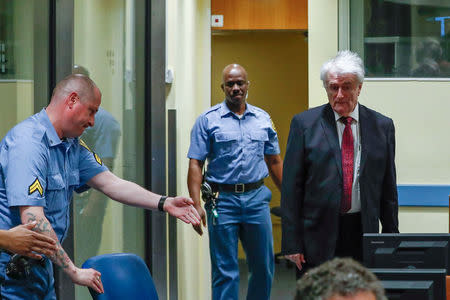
<point x="298" y="259"/>
<point x="183" y="209"/>
<point x="24" y="241"/>
<point x="202" y="214"/>
<point x="88" y="277"/>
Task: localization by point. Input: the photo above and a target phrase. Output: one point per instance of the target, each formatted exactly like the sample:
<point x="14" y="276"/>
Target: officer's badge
<point x="97" y="158"/>
<point x="35" y="186"/>
<point x="273" y="125"/>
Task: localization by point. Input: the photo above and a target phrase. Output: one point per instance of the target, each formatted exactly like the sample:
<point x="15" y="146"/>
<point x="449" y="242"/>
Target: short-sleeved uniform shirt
<point x="234" y="146"/>
<point x="37" y="168"/>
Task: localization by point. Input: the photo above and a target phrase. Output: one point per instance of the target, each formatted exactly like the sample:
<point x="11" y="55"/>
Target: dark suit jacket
<point x="312" y="181"/>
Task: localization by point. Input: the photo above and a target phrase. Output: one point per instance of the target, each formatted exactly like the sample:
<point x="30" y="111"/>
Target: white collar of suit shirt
<point x="354" y="114"/>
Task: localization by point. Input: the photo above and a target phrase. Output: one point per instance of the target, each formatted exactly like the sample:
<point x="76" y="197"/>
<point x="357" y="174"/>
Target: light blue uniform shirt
<point x="39" y="169"/>
<point x="235" y="147"/>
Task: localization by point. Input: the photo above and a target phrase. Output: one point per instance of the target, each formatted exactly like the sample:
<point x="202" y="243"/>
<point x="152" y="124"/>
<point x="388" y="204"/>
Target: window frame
<point x="344" y="21"/>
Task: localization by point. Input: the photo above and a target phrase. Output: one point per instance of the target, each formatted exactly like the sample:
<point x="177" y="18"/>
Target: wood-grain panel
<point x="261" y="14"/>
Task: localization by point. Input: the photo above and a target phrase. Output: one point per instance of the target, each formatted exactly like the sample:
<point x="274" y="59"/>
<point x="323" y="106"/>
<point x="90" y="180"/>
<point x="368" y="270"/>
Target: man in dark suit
<point x="339" y="177"/>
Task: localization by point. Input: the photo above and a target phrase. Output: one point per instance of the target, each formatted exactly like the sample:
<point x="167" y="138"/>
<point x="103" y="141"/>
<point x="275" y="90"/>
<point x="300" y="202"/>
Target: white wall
<point x="419" y="110"/>
<point x="188" y="55"/>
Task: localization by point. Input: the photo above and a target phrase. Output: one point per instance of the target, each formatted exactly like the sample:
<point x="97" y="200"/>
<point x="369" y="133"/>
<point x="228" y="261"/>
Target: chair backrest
<point x="124" y="276"/>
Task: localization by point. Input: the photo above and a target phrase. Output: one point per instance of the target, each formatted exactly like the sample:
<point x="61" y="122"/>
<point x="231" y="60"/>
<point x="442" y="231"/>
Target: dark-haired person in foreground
<point x="339" y="279"/>
<point x="339" y="177"/>
<point x="42" y="161"/>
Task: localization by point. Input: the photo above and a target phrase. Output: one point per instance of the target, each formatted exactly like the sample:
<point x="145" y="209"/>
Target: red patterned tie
<point x="347" y="152"/>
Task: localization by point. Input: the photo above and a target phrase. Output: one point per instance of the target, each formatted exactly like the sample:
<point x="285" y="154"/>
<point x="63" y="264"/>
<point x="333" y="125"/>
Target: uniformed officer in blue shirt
<point x="241" y="146"/>
<point x="42" y="161"/>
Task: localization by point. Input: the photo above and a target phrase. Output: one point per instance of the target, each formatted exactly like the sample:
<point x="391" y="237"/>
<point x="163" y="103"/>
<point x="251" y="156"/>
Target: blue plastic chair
<point x="124" y="276"/>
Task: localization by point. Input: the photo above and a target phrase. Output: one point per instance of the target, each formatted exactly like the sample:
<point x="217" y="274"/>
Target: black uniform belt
<point x="236" y="188"/>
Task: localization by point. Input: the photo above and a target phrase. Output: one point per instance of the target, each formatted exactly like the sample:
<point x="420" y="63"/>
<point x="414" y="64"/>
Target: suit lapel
<point x="329" y="126"/>
<point x="364" y="127"/>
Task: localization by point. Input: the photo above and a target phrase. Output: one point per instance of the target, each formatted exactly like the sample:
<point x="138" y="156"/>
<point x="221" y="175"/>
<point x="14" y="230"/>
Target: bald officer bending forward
<point x="42" y="161"/>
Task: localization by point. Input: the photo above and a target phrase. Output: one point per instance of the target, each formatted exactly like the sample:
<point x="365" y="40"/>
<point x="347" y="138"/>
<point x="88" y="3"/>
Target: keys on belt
<point x="210" y="197"/>
<point x="210" y="192"/>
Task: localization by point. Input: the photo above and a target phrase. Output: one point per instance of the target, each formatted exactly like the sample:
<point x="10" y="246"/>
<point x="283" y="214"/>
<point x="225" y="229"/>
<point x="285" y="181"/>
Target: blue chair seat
<point x="124" y="276"/>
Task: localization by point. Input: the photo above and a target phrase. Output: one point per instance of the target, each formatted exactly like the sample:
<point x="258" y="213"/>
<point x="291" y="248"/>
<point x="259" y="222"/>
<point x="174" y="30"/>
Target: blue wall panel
<point x="423" y="195"/>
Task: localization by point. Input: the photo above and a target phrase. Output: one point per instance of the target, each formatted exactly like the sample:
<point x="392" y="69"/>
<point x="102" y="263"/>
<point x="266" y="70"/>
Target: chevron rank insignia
<point x="36" y="186"/>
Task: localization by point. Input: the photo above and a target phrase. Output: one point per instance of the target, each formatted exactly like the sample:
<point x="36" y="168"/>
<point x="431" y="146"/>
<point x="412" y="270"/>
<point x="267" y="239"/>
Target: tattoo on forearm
<point x="43" y="226"/>
<point x="31" y="217"/>
<point x="60" y="258"/>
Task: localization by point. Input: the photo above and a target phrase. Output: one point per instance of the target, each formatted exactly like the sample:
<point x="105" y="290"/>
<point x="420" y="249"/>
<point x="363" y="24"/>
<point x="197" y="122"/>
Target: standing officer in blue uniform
<point x="42" y="161"/>
<point x="241" y="146"/>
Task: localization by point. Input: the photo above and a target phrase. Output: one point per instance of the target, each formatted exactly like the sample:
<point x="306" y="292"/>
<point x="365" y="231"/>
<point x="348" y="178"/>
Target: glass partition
<point x="19" y="42"/>
<point x="104" y="49"/>
<point x="399" y="38"/>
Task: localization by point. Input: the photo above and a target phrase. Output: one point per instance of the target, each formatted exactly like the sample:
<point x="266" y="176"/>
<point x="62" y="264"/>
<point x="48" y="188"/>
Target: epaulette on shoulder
<point x="260" y="111"/>
<point x="27" y="130"/>
<point x="213" y="108"/>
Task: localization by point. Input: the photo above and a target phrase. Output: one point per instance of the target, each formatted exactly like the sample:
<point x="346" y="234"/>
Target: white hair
<point x="345" y="62"/>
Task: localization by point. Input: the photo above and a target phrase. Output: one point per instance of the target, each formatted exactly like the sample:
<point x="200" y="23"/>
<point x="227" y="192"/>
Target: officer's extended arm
<point x="130" y="193"/>
<point x="85" y="277"/>
<point x="194" y="181"/>
<point x="275" y="166"/>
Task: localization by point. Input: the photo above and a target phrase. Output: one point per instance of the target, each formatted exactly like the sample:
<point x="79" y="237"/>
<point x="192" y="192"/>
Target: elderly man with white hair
<point x="339" y="177"/>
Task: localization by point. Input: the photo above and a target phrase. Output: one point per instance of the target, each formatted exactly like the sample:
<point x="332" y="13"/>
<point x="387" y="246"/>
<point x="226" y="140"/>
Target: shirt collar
<point x="224" y="110"/>
<point x="52" y="136"/>
<point x="354" y="114"/>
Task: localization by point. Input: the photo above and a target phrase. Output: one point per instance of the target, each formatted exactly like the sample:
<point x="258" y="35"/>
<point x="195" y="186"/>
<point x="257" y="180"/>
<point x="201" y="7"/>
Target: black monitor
<point x="408" y="290"/>
<point x="413" y="284"/>
<point x="407" y="250"/>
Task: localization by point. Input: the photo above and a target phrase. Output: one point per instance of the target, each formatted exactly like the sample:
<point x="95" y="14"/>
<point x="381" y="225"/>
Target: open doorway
<point x="277" y="66"/>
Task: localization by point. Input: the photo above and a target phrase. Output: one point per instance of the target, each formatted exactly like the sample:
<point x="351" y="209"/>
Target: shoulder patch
<point x="97" y="158"/>
<point x="35" y="186"/>
<point x="273" y="125"/>
<point x="83" y="144"/>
